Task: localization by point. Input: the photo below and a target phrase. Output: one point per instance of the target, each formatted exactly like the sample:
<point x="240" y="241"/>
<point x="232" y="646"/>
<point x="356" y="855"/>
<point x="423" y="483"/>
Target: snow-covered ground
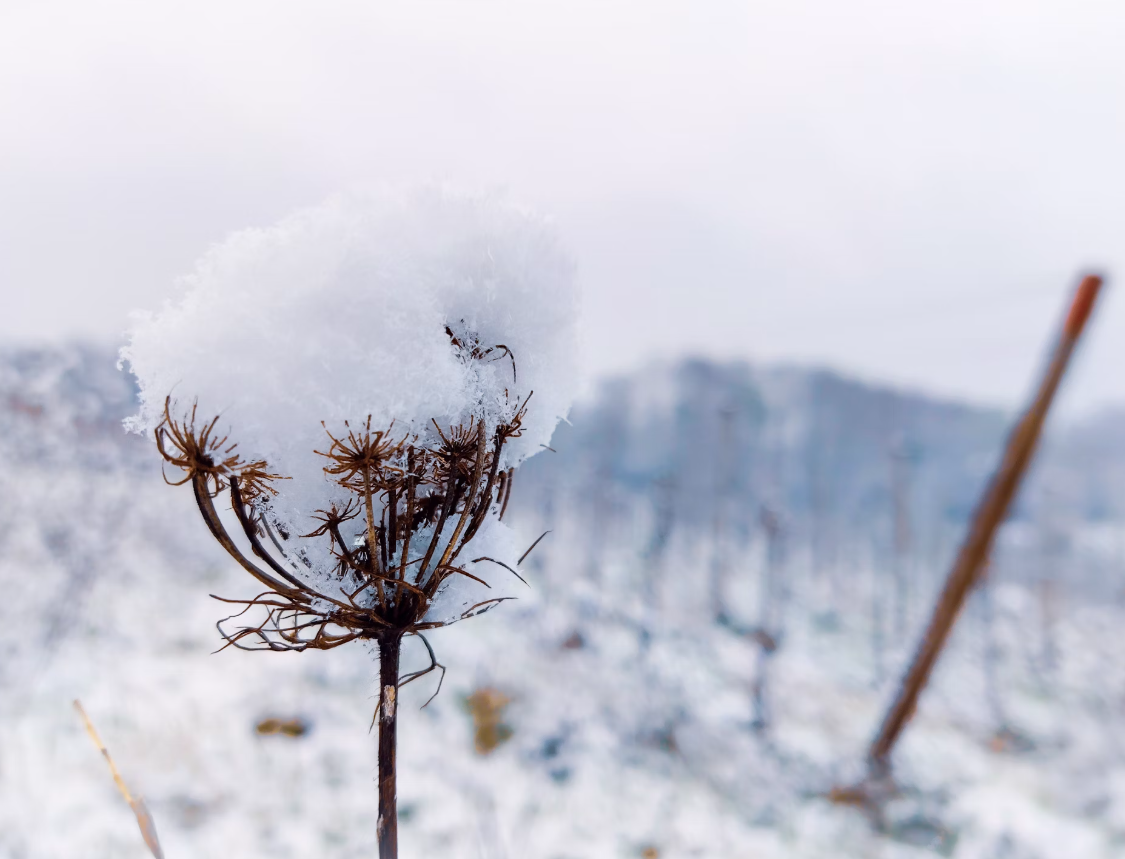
<point x="631" y="709"/>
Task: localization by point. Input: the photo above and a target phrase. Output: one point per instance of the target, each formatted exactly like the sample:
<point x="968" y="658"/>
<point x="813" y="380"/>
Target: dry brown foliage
<point x="404" y="494"/>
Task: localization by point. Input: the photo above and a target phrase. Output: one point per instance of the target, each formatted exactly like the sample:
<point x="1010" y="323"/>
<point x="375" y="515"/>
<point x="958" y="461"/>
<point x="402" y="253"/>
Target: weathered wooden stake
<point x="972" y="558"/>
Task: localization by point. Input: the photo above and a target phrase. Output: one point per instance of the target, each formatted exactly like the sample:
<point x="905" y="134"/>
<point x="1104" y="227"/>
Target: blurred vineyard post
<point x="973" y="556"/>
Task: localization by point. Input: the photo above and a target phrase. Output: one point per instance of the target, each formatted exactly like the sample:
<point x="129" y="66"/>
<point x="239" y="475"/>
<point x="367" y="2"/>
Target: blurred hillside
<point x="849" y="469"/>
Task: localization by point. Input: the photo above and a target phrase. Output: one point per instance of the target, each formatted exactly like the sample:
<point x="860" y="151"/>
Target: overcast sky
<point x="903" y="190"/>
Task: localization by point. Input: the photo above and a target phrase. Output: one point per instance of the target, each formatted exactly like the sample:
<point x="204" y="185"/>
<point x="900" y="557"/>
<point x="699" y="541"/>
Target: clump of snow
<point x="460" y="595"/>
<point x="341" y="311"/>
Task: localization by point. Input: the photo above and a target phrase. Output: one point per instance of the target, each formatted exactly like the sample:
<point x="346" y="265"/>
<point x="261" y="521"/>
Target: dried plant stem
<point x="392" y="531"/>
<point x="486" y="496"/>
<point x="507" y="492"/>
<point x="140" y="810"/>
<point x="411" y="483"/>
<point x="452" y="545"/>
<point x="451" y="498"/>
<point x="214" y="524"/>
<point x="389" y="648"/>
<point x="372" y="545"/>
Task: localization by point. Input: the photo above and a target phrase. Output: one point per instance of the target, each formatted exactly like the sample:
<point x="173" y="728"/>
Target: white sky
<point x="904" y="190"/>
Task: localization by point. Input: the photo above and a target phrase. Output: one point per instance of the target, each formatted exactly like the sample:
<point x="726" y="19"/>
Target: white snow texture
<point x="340" y="311"/>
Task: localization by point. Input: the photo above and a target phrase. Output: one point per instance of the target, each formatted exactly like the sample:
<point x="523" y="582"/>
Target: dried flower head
<point x="396" y="319"/>
<point x="201" y="452"/>
<point x="411" y="508"/>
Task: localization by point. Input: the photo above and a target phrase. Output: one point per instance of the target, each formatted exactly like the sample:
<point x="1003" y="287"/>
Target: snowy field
<point x="630" y="729"/>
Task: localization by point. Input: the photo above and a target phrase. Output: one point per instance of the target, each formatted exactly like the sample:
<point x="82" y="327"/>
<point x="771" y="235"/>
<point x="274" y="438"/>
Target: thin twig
<point x="532" y="546"/>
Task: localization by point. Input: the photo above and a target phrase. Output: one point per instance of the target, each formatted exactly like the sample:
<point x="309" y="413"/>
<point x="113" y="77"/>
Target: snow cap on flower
<point x="409" y="306"/>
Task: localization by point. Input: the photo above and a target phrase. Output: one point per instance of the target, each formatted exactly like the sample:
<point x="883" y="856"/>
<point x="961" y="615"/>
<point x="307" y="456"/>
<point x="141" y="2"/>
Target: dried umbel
<point x="400" y="536"/>
<point x="408" y="305"/>
<point x="412" y="506"/>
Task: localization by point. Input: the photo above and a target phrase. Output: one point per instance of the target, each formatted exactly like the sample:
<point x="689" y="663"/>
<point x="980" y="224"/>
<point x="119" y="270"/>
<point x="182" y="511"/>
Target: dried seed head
<point x="334" y="518"/>
<point x="201" y="452"/>
<point x="360" y="461"/>
<point x="403" y="492"/>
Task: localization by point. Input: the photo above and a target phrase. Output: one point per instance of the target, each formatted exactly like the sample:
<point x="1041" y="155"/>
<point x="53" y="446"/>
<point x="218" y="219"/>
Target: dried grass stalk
<point x="136" y="803"/>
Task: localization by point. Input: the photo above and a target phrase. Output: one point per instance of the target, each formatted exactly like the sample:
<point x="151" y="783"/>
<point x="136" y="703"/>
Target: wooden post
<point x="975" y="550"/>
